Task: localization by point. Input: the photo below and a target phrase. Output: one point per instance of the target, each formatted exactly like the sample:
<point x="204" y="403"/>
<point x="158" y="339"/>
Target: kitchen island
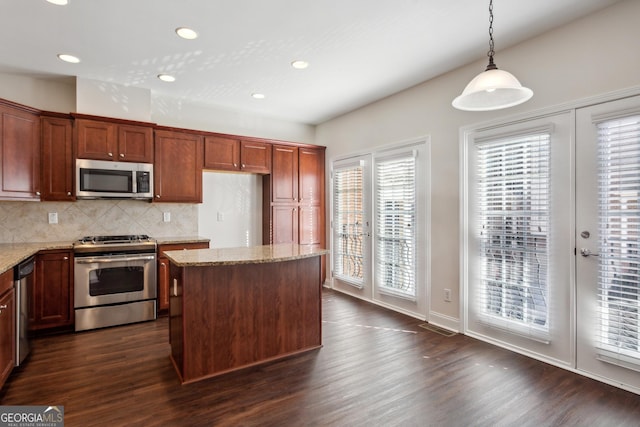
<point x="238" y="307"/>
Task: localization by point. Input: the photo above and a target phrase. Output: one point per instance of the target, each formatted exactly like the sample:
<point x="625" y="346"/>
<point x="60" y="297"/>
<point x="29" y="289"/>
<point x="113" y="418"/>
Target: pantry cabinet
<point x="51" y="303"/>
<point x="163" y="269"/>
<point x="231" y="154"/>
<point x="294" y="197"/>
<point x="178" y="167"/>
<point x="57" y="171"/>
<point x="105" y="140"/>
<point x="19" y="152"/>
<point x="7" y="326"/>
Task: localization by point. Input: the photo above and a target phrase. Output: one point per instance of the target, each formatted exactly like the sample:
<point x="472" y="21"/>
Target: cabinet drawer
<point x="179" y="246"/>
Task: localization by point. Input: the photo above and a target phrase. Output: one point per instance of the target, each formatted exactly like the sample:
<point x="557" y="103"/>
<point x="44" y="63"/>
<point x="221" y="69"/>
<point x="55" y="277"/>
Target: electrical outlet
<point x="447" y="295"/>
<point x="53" y="217"/>
<point x="166" y="216"/>
<point x="220" y="216"/>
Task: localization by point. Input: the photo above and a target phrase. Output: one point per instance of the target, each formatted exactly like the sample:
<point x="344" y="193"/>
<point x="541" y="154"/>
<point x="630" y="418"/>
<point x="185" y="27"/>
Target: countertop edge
<point x="238" y="256"/>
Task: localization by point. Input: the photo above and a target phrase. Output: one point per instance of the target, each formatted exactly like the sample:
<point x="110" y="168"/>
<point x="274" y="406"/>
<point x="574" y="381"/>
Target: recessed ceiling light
<point x="299" y="64"/>
<point x="258" y="95"/>
<point x="186" y="33"/>
<point x="68" y="58"/>
<point x="59" y="2"/>
<point x="166" y="78"/>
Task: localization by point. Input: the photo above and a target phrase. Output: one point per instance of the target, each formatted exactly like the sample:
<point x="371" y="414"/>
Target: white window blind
<point x="619" y="231"/>
<point x="395" y="224"/>
<point x="513" y="214"/>
<point x="348" y="217"/>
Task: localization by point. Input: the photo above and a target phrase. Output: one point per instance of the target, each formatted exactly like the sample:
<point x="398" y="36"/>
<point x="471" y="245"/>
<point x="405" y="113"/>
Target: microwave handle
<point x="116" y="258"/>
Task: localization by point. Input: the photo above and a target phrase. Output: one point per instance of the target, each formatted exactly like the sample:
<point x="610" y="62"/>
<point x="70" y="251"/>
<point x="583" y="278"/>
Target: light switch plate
<point x="166" y="216"/>
<point x="53" y="217"/>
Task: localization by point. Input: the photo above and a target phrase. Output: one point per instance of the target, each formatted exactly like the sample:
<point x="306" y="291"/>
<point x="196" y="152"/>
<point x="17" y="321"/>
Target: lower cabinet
<point x="163" y="269"/>
<point x="7" y="326"/>
<point x="52" y="293"/>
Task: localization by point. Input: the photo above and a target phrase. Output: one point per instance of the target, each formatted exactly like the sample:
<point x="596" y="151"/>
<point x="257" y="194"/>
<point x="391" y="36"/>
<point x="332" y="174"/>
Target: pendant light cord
<point x="491" y="52"/>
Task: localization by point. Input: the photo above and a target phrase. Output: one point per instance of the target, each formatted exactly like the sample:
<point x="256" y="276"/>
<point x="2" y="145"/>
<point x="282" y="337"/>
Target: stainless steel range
<point x="114" y="280"/>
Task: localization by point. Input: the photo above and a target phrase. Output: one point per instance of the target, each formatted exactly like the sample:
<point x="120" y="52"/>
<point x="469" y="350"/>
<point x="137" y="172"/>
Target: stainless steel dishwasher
<point x="23" y="279"/>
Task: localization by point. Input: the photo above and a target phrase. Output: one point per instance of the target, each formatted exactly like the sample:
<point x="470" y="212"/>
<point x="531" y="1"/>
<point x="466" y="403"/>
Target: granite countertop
<point x="180" y="239"/>
<point x="243" y="255"/>
<point x="13" y="253"/>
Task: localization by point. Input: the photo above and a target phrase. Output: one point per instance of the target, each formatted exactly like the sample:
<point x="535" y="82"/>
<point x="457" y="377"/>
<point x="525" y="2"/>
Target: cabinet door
<point x="96" y="139"/>
<point x="285" y="224"/>
<point x="135" y="144"/>
<point x="57" y="159"/>
<point x="255" y="157"/>
<point x="284" y="174"/>
<point x="221" y="153"/>
<point x="311" y="176"/>
<point x="19" y="154"/>
<point x="7" y="334"/>
<point x="163" y="269"/>
<point x="310" y="226"/>
<point x="52" y="297"/>
<point x="178" y="167"/>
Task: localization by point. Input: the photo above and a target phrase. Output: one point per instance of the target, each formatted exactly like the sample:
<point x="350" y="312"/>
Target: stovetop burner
<point x="116" y="243"/>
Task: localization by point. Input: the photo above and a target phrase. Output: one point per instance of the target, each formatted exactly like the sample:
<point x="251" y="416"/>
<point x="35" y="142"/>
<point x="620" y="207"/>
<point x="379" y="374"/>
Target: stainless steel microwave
<point x="97" y="179"/>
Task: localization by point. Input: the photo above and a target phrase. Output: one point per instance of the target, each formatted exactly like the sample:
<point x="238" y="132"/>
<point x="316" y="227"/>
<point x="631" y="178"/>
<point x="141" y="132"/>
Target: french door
<point x="380" y="227"/>
<point x="608" y="241"/>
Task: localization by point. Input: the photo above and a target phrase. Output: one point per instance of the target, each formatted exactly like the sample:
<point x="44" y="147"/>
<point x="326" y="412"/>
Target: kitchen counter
<point x="243" y="255"/>
<point x="170" y="240"/>
<point x="234" y="308"/>
<point x="13" y="253"/>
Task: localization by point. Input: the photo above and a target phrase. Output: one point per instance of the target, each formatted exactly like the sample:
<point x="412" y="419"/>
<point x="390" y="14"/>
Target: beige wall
<point x="589" y="57"/>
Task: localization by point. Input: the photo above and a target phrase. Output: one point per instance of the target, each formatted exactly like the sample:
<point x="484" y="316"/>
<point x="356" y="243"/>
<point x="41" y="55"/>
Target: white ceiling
<point x="359" y="50"/>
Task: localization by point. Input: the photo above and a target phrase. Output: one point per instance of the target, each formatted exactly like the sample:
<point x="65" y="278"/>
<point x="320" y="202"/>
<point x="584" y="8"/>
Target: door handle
<point x="587" y="252"/>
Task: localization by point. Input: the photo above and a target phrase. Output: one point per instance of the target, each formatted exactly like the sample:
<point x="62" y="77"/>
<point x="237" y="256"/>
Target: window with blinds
<point x="395" y="224"/>
<point x="513" y="214"/>
<point x="619" y="231"/>
<point x="348" y="217"/>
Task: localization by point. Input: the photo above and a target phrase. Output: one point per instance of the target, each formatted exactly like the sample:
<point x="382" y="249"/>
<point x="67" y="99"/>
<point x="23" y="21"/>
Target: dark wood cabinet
<point x="102" y="140"/>
<point x="19" y="152"/>
<point x="178" y="167"/>
<point x="163" y="269"/>
<point x="52" y="295"/>
<point x="284" y="174"/>
<point x="230" y="154"/>
<point x="7" y="326"/>
<point x="57" y="159"/>
<point x="293" y="197"/>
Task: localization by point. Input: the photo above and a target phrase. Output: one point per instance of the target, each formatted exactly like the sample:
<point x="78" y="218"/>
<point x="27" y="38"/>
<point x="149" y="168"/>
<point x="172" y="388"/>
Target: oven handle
<point x="116" y="258"/>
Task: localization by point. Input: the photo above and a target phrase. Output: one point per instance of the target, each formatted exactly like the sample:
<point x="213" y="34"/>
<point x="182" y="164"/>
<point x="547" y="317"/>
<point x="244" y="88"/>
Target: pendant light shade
<point x="493" y="89"/>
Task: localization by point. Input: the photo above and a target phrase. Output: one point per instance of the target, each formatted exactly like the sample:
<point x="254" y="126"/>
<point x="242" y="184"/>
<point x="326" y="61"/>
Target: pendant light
<point x="493" y="89"/>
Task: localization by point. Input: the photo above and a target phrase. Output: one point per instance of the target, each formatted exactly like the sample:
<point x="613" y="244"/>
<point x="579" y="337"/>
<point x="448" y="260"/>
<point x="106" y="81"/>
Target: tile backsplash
<point x="29" y="221"/>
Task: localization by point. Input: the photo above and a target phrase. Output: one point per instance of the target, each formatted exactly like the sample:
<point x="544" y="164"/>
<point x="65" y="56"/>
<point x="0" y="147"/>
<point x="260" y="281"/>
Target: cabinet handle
<point x="3" y="306"/>
<point x="110" y="154"/>
<point x="37" y="193"/>
<point x="175" y="287"/>
<point x="65" y="258"/>
<point x="157" y="196"/>
<point x="243" y="166"/>
<point x="121" y="154"/>
<point x="235" y="165"/>
<point x="68" y="193"/>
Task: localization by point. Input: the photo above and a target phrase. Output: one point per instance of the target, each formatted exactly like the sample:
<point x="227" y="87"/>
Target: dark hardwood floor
<point x="377" y="368"/>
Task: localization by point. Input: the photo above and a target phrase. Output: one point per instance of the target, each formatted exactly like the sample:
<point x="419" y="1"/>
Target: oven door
<point x="112" y="279"/>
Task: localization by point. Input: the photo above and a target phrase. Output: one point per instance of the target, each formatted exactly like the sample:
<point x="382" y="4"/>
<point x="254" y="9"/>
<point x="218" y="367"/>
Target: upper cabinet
<point x="230" y="154"/>
<point x="57" y="159"/>
<point x="19" y="152"/>
<point x="178" y="167"/>
<point x="103" y="140"/>
<point x="284" y="174"/>
<point x="310" y="176"/>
